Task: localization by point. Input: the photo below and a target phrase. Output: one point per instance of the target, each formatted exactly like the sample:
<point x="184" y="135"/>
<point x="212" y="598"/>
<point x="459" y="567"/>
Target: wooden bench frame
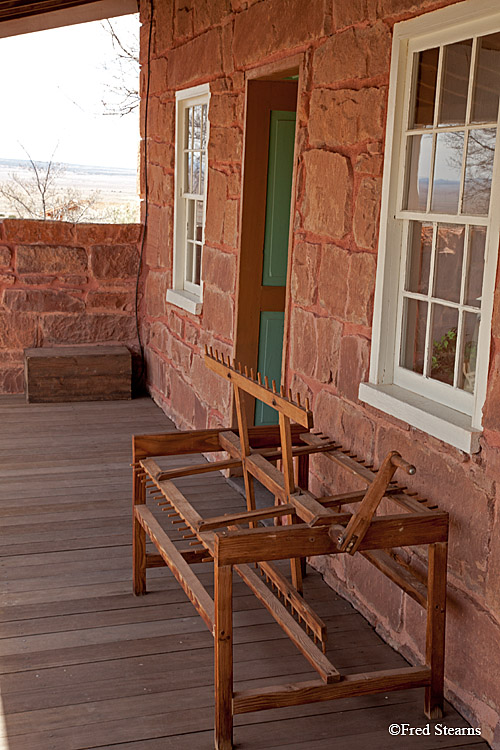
<point x="314" y="526"/>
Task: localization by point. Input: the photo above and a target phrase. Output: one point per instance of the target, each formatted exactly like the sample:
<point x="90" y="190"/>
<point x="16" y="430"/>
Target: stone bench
<point x="77" y="373"/>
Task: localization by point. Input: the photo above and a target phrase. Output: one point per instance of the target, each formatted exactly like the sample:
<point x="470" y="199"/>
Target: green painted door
<point x="279" y="193"/>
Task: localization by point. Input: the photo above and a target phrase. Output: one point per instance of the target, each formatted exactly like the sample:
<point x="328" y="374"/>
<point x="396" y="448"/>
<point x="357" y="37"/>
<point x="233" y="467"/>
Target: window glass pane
<point x="447" y="172"/>
<point x="202" y="174"/>
<point x="425" y="88"/>
<point x="487" y="83"/>
<point x="199" y="221"/>
<point x="478" y="171"/>
<point x="456" y="67"/>
<point x="204" y="126"/>
<point x="418" y="171"/>
<point x="189" y="127"/>
<point x="197" y="126"/>
<point x="444" y="343"/>
<point x="474" y="281"/>
<point x="196" y="173"/>
<point x="197" y="269"/>
<point x="419" y="257"/>
<point x="413" y="343"/>
<point x="190" y="220"/>
<point x="449" y="255"/>
<point x="188" y="177"/>
<point x="470" y="334"/>
<point x="189" y="261"/>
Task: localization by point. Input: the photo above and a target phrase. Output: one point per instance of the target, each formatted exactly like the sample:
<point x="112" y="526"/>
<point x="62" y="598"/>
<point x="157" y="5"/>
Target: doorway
<point x="267" y="194"/>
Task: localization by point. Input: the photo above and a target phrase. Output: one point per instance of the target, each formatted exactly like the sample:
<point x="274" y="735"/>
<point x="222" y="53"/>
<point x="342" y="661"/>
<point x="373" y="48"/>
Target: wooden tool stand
<point x="304" y="525"/>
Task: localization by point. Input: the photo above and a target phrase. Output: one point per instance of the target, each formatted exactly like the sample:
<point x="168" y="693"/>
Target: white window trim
<point x="178" y="295"/>
<point x="442" y="26"/>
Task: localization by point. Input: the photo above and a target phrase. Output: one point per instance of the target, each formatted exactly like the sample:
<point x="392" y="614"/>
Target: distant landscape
<point x="114" y="190"/>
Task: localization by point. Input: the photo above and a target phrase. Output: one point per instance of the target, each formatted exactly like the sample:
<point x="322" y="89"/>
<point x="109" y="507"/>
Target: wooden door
<point x="267" y="188"/>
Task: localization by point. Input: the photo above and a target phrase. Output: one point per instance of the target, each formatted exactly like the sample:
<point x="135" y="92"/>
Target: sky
<point x="53" y="83"/>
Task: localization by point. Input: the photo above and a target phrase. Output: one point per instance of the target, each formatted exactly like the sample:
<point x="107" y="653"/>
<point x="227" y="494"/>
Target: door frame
<point x="266" y="90"/>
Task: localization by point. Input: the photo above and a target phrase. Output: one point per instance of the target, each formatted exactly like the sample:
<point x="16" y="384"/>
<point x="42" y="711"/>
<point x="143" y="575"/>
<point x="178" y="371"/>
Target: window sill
<point x="185" y="300"/>
<point x="437" y="420"/>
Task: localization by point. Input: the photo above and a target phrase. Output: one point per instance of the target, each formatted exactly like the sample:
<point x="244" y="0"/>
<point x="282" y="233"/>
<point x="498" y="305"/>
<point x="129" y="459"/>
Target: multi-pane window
<point x="194" y="163"/>
<point x="440" y="219"/>
<point x="449" y="149"/>
<point x="192" y="127"/>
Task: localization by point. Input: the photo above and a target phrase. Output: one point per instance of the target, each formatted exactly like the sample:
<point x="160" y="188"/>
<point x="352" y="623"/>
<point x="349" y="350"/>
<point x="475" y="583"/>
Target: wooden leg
<point x="223" y="657"/>
<point x="139" y="540"/>
<point x="436" y="620"/>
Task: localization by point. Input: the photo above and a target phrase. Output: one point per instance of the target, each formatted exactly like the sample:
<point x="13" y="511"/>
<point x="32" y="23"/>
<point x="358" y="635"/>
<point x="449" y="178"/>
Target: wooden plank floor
<point x="85" y="664"/>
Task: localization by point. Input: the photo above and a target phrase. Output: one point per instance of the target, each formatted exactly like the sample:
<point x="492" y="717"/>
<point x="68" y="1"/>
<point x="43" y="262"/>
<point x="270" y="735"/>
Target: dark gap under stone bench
<point x="77" y="373"/>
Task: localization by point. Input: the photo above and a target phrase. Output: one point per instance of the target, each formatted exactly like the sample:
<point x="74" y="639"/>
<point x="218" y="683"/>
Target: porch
<point x="85" y="664"/>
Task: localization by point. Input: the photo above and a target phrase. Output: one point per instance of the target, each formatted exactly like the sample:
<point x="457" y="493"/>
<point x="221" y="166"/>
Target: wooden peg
<point x="259" y="378"/>
<point x="211" y="352"/>
<point x="193" y="544"/>
<point x="206" y="348"/>
<point x="307" y="404"/>
<point x="266" y="382"/>
<point x="252" y="374"/>
<point x="233" y="365"/>
<point x="188" y="536"/>
<point x="180" y="520"/>
<point x="274" y="386"/>
<point x="298" y="399"/>
<point x="282" y="390"/>
<point x="173" y="515"/>
<point x="246" y="371"/>
<point x="239" y="367"/>
<point x="222" y="358"/>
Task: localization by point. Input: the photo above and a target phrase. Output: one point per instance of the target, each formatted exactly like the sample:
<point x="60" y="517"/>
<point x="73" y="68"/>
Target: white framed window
<point x="439" y="223"/>
<point x="192" y="131"/>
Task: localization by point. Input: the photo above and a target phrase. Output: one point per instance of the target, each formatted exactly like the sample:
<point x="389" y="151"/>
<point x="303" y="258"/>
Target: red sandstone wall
<point x="341" y="125"/>
<point x="64" y="283"/>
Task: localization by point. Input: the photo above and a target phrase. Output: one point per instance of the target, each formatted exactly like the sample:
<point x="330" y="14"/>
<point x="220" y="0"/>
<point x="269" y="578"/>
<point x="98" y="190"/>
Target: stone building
<point x="322" y="203"/>
<point x="323" y="196"/>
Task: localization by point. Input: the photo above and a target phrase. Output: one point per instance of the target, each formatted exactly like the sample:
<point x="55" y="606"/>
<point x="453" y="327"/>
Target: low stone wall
<point x="63" y="283"/>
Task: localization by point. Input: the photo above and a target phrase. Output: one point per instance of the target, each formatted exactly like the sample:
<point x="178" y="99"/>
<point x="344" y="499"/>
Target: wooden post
<point x="223" y="637"/>
<point x="139" y="536"/>
<point x="302" y="481"/>
<point x="436" y="620"/>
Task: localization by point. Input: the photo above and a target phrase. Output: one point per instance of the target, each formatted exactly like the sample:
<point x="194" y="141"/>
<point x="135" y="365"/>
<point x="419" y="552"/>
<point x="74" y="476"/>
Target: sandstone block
<point x="225" y="144"/>
<point x="327" y="203"/>
<point x="183" y="19"/>
<point x="181" y="355"/>
<point x="116" y="301"/>
<point x="114" y="261"/>
<point x="305" y="273"/>
<point x="345" y="423"/>
<point x="266" y="28"/>
<point x="231" y="223"/>
<point x="51" y="259"/>
<point x="27" y="231"/>
<point x="216" y="203"/>
<point x="102" y="234"/>
<point x="351" y="12"/>
<point x="182" y="398"/>
<point x="369" y="163"/>
<point x="218" y="313"/>
<point x="354" y="361"/>
<point x="199" y="58"/>
<point x="159" y="337"/>
<point x="42" y="300"/>
<point x="5" y="256"/>
<point x="7" y="279"/>
<point x="304" y="351"/>
<point x="361" y="288"/>
<point x="367" y="212"/>
<point x="332" y="280"/>
<point x="219" y="269"/>
<point x="158" y="76"/>
<point x="356" y="53"/>
<point x="18" y="330"/>
<point x="209" y="13"/>
<point x="85" y="328"/>
<point x="328" y="336"/>
<point x="344" y="118"/>
<point x="155" y="293"/>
